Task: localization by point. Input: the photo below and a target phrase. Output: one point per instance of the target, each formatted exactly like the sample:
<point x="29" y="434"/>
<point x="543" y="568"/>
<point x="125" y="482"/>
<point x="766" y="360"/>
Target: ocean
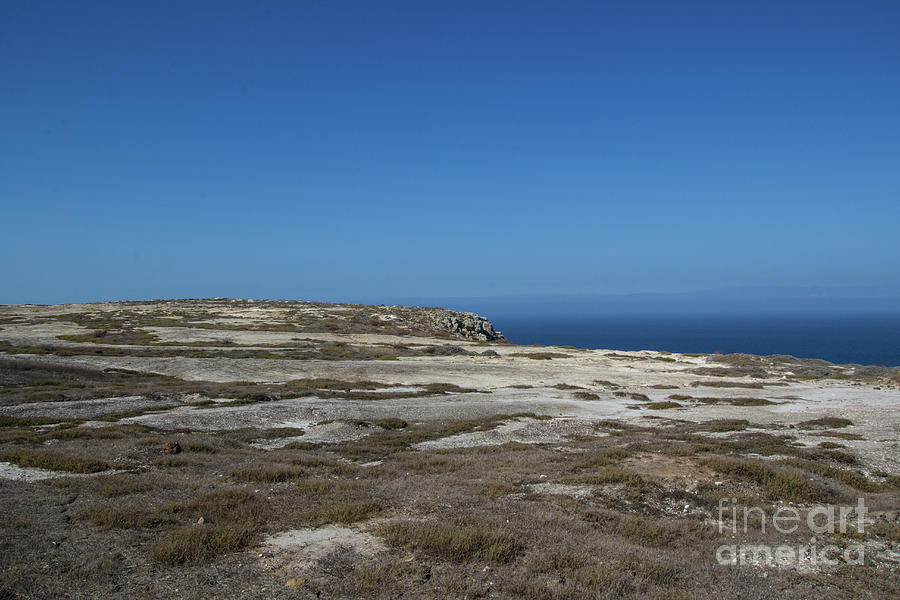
<point x="861" y="339"/>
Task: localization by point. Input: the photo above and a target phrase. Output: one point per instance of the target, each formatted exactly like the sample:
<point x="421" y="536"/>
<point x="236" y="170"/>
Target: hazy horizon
<point x="739" y="300"/>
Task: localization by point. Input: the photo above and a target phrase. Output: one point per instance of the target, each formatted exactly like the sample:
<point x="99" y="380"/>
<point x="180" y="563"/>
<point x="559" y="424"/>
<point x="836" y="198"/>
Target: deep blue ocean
<point x="858" y="339"/>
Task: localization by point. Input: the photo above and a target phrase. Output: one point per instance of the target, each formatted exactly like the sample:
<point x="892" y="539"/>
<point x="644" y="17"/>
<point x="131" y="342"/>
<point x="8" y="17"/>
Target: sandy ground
<point x="292" y="554"/>
<point x="509" y="383"/>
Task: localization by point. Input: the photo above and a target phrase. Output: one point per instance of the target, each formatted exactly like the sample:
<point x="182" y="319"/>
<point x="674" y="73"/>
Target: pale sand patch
<point x="673" y="469"/>
<point x="316" y="434"/>
<point x="522" y="430"/>
<point x="290" y="553"/>
<point x="83" y="409"/>
<point x="561" y="489"/>
<point x="29" y="474"/>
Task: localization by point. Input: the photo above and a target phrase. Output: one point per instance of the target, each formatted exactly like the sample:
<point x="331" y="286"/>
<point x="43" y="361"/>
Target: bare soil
<point x="253" y="449"/>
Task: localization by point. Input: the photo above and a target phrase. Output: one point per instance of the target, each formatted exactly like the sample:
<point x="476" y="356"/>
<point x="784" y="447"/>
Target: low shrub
<point x="460" y="543"/>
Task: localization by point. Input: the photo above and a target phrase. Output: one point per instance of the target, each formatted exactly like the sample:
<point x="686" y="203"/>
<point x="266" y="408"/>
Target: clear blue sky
<point x="367" y="150"/>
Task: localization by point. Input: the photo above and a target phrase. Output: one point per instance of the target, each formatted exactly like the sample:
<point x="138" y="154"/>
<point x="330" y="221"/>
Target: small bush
<point x="660" y="533"/>
<point x="841" y="435"/>
<point x="300" y="446"/>
<point x="391" y="423"/>
<point x="778" y="485"/>
<point x="125" y="517"/>
<point x="750" y="402"/>
<point x="270" y="473"/>
<point x="199" y="542"/>
<point x="110" y="486"/>
<point x="825" y="423"/>
<point x="836" y="455"/>
<point x="444" y="388"/>
<point x="603" y="457"/>
<point x="53" y="461"/>
<point x="459" y="543"/>
<point x="111" y="432"/>
<point x="611" y="475"/>
<point x="172" y="461"/>
<point x="723" y="425"/>
<point x="753" y="385"/>
<point x="281" y="432"/>
<point x="495" y="489"/>
<point x="196" y="446"/>
<point x="830" y="445"/>
<point x="662" y="405"/>
<point x="850" y="478"/>
<point x="221" y="507"/>
<point x="556" y="560"/>
<point x="25" y="421"/>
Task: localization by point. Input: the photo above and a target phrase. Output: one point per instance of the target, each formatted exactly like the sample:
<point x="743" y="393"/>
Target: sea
<point x="841" y="339"/>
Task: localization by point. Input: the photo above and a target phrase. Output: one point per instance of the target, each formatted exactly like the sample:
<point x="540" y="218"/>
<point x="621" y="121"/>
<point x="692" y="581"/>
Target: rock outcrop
<point x="469" y="326"/>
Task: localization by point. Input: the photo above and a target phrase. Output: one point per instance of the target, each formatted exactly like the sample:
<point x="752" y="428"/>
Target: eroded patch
<point x="670" y="469"/>
<point x="29" y="474"/>
<point x="522" y="430"/>
<point x="291" y="554"/>
<point x="561" y="489"/>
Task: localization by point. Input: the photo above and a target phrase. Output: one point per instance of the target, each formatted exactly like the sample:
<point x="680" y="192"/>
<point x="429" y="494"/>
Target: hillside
<point x="249" y="449"/>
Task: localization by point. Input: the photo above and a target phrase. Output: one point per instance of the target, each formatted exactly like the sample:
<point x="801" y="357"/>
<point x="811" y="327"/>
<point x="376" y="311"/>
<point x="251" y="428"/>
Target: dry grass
<point x="778" y="484"/>
<point x="281" y="432"/>
<point x="269" y="473"/>
<point x="723" y="400"/>
<point x="195" y="445"/>
<point x="459" y="543"/>
<point x="54" y="461"/>
<point x="825" y="423"/>
<point x="96" y="433"/>
<point x="610" y="475"/>
<point x="654" y="533"/>
<point x="842" y="435"/>
<point x="172" y="461"/>
<point x="201" y="542"/>
<point x="391" y="423"/>
<point x="25" y="421"/>
<point x="750" y="402"/>
<point x="110" y="486"/>
<point x="662" y="405"/>
<point x="603" y="457"/>
<point x="723" y="425"/>
<point x="494" y="489"/>
<point x="341" y="512"/>
<point x="753" y="385"/>
<point x="850" y="478"/>
<point x="449" y="513"/>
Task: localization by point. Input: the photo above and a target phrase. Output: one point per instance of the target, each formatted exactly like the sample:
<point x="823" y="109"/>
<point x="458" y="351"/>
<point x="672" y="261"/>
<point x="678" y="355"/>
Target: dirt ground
<point x="244" y="449"/>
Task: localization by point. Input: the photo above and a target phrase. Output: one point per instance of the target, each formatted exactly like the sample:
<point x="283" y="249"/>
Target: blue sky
<point x="381" y="150"/>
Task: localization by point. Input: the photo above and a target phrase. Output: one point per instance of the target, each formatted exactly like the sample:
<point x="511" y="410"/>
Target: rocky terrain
<point x="274" y="449"/>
